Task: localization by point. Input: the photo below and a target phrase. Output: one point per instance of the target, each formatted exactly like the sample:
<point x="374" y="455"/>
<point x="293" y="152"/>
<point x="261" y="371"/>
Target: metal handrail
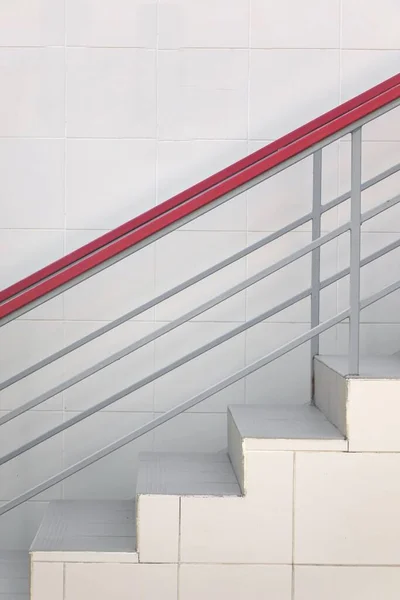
<point x="276" y="165"/>
<point x="201" y="204"/>
<point x="202" y="349"/>
<point x="192" y="281"/>
<point x="184" y="406"/>
<point x="194" y="313"/>
<point x="327" y="119"/>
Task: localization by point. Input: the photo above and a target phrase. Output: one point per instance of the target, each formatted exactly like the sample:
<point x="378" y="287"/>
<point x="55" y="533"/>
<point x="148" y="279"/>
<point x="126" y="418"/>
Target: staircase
<point x="305" y="502"/>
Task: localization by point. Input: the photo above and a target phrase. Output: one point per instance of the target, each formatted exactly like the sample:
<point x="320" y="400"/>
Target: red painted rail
<point x="82" y="260"/>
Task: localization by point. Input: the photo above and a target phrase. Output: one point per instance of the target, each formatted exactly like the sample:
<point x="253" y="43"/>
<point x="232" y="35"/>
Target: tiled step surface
<point x="183" y="474"/>
<point x="285" y="427"/>
<point x="163" y="480"/>
<point x="253" y="429"/>
<point x="365" y="408"/>
<point x="371" y="367"/>
<point x="14" y="575"/>
<point x="87" y="528"/>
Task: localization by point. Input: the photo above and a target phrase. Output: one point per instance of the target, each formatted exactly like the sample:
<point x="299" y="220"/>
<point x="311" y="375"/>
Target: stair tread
<point x="87" y="526"/>
<point x="191" y="474"/>
<point x="371" y="366"/>
<point x="14" y="575"/>
<point x="267" y="426"/>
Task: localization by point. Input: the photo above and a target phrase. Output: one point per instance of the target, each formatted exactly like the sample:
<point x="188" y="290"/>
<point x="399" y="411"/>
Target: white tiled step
<point x="371" y="366"/>
<point x="255" y="428"/>
<point x="14" y="575"/>
<point x="186" y="474"/>
<point x="366" y="407"/>
<point x="283" y="427"/>
<point x="163" y="479"/>
<point x="87" y="531"/>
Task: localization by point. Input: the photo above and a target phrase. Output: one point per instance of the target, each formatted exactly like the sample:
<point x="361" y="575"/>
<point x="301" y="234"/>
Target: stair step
<point x="14" y="575"/>
<point x="285" y="427"/>
<point x="89" y="527"/>
<point x="371" y="366"/>
<point x="191" y="474"/>
<point x="364" y="407"/>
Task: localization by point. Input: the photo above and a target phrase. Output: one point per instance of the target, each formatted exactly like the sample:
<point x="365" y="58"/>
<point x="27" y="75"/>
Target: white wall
<point x="109" y="107"/>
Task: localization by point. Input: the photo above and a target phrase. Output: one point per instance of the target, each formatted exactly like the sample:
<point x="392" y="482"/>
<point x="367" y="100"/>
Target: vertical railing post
<point x="355" y="251"/>
<point x="315" y="257"/>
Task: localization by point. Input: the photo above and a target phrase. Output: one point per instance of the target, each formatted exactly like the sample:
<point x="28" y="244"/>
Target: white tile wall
<point x="106" y="23"/>
<point x="157" y="528"/>
<point x="119" y="175"/>
<point x="32" y="100"/>
<point x="206" y="24"/>
<point x="346" y="583"/>
<point x="310" y="24"/>
<point x="234" y="581"/>
<point x="106" y="91"/>
<point x="370" y="28"/>
<point x="47" y="580"/>
<point x="202" y="94"/>
<point x="272" y="112"/>
<point x="109" y="107"/>
<point x="99" y="581"/>
<point x="339" y="515"/>
<point x="36" y="199"/>
<point x="32" y="23"/>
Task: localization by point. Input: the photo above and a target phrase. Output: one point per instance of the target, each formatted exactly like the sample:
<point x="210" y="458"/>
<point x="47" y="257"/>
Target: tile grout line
<point x="156" y="174"/>
<point x="293" y="523"/>
<point x="64" y="328"/>
<point x="178" y="571"/>
<point x="64" y="581"/>
<point x="247" y="198"/>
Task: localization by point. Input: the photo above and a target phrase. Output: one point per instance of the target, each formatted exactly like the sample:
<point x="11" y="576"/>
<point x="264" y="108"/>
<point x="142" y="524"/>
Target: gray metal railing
<point x="317" y="328"/>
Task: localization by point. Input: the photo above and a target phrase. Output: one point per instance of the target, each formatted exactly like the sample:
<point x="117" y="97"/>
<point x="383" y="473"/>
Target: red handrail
<point x="154" y="220"/>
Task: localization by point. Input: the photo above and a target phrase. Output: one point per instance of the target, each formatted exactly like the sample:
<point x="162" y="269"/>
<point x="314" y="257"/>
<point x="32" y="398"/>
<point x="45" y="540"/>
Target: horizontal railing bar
<point x="270" y="313"/>
<point x="202" y="210"/>
<point x="184" y="406"/>
<point x="170" y="326"/>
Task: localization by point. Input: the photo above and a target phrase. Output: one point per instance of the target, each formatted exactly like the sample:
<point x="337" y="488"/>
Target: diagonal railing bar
<point x="170" y="414"/>
<point x="377" y="210"/>
<point x="170" y="326"/>
<point x="192" y="281"/>
<point x="157" y="300"/>
<point x="364" y="186"/>
<point x="218" y="341"/>
<point x="155" y="375"/>
<point x="193" y="313"/>
<point x="184" y="406"/>
<point x="365" y="261"/>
